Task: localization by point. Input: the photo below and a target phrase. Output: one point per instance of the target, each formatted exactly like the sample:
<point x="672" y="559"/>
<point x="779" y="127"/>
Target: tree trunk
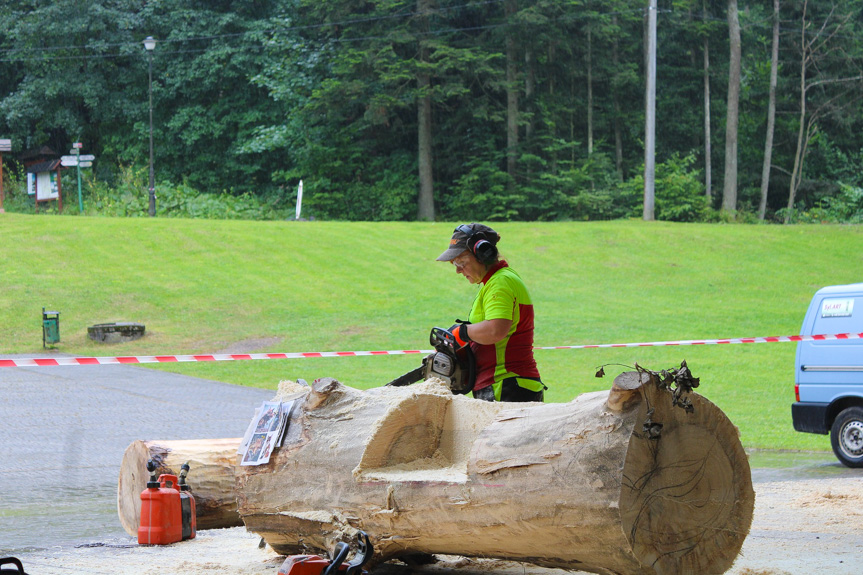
<point x="771" y="114"/>
<point x="529" y="89"/>
<point x="425" y="207"/>
<point x="596" y="484"/>
<point x="729" y="192"/>
<point x="708" y="152"/>
<point x="552" y="58"/>
<point x="510" y="9"/>
<point x="589" y="93"/>
<point x="798" y="154"/>
<point x="572" y="75"/>
<point x="211" y="478"/>
<point x="618" y="129"/>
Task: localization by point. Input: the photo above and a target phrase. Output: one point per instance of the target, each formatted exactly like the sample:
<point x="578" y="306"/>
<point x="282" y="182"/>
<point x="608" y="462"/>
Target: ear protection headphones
<point x="479" y="244"/>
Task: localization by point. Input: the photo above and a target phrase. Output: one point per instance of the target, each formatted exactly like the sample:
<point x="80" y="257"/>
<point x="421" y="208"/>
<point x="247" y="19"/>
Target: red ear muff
<point x="485" y="251"/>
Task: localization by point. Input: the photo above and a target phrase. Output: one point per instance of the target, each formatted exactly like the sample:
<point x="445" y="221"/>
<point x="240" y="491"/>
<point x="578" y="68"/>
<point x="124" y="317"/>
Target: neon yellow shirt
<point x="504" y="296"/>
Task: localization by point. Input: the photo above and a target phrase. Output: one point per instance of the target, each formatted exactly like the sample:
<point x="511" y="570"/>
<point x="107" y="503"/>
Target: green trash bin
<point x="50" y="327"/>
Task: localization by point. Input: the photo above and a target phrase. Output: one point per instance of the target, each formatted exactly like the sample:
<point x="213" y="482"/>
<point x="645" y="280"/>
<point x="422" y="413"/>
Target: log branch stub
<point x="321" y="390"/>
<point x="625" y="390"/>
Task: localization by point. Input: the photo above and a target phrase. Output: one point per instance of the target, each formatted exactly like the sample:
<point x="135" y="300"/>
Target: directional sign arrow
<point x="87" y="158"/>
<point x="73" y="159"/>
<point x="65" y="162"/>
<point x="85" y="164"/>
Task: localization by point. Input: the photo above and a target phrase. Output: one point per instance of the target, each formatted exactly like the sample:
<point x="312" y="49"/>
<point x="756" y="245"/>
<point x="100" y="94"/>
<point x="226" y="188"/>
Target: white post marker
<point x="299" y="199"/>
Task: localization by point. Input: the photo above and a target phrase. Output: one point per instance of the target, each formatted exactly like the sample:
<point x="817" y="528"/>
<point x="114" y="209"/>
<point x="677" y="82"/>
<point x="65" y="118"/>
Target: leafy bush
<point x="679" y="191"/>
<point x="481" y="195"/>
<point x="845" y="206"/>
<point x="129" y="197"/>
<point x="384" y="190"/>
<point x="589" y="190"/>
<point x="15" y="196"/>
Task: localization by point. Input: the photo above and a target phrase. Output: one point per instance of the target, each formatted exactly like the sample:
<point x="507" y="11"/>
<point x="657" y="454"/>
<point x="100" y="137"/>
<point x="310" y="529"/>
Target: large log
<point x="211" y="478"/>
<point x="618" y="481"/>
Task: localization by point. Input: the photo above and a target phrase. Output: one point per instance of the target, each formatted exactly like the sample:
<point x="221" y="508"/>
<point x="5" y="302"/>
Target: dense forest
<point x="446" y="109"/>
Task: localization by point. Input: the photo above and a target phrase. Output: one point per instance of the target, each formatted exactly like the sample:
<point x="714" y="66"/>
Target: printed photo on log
<point x="265" y="432"/>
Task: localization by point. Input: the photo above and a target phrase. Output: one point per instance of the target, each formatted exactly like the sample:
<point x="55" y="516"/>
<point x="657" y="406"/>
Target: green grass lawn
<point x="207" y="286"/>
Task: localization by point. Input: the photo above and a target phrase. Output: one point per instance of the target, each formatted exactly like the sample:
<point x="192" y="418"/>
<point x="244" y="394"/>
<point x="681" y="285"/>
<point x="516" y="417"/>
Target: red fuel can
<point x="161" y="512"/>
<point x="187" y="506"/>
<point x="187" y="509"/>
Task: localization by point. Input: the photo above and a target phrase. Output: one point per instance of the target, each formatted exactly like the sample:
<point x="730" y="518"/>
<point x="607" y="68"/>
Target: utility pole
<point x="650" y="116"/>
<point x="149" y="45"/>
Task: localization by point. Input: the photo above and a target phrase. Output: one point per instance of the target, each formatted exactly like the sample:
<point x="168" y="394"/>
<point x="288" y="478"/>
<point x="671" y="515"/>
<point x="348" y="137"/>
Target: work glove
<point x="459" y="331"/>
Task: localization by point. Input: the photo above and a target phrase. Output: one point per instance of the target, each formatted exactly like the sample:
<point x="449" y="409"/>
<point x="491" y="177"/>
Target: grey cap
<point x="458" y="242"/>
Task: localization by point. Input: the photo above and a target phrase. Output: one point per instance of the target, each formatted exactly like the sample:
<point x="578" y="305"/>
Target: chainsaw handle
<point x="364" y="553"/>
<point x="442" y="340"/>
<point x="339" y="555"/>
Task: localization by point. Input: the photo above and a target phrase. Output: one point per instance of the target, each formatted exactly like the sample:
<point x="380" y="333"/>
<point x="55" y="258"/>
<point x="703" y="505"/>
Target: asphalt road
<point x="63" y="431"/>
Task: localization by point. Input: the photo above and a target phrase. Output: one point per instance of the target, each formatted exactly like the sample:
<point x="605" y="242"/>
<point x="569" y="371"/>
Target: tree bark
<point x="510" y="9"/>
<point x="708" y="151"/>
<point x="572" y="76"/>
<point x="589" y="92"/>
<point x="617" y="481"/>
<point x="798" y="154"/>
<point x="425" y="207"/>
<point x="529" y="89"/>
<point x="729" y="192"/>
<point x="615" y="98"/>
<point x="771" y="114"/>
<point x="211" y="478"/>
<point x="815" y="46"/>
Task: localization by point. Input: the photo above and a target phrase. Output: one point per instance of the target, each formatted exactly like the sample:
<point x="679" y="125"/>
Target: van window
<point x="842" y="314"/>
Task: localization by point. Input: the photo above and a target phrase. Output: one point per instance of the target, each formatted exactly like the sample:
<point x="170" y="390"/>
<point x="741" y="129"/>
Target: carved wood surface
<point x="592" y="484"/>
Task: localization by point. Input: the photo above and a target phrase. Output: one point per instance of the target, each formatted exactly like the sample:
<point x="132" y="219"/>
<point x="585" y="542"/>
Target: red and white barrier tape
<point x="46" y="361"/>
<point x="774" y="339"/>
<point x="58" y="361"/>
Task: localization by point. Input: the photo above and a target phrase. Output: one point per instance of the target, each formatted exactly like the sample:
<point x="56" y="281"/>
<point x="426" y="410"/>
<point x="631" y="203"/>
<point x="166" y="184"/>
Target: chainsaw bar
<point x="410" y="377"/>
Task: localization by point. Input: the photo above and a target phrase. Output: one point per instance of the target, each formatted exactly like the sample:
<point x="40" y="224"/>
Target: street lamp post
<point x="149" y="45"/>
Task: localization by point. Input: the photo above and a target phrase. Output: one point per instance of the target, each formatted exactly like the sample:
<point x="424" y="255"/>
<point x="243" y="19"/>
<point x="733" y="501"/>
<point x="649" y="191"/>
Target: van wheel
<point x="846" y="437"/>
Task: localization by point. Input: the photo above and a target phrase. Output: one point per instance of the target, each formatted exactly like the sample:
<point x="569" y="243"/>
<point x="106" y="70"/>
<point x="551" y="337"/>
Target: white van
<point x="829" y="374"/>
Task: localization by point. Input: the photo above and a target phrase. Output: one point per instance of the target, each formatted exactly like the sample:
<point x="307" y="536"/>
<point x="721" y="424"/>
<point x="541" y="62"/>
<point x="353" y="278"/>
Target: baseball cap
<point x="458" y="243"/>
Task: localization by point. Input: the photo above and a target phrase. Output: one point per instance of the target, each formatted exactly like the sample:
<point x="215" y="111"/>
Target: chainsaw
<point x="455" y="366"/>
<point x="317" y="565"/>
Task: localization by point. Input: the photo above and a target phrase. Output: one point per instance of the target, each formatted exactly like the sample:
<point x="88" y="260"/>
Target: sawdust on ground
<point x="800" y="526"/>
